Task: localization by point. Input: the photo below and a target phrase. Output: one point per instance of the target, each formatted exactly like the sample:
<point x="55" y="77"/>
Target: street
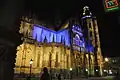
<point x="90" y="78"/>
<point x="96" y="78"/>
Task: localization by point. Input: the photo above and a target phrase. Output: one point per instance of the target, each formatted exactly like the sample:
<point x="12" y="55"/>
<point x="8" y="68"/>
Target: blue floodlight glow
<point x="89" y="47"/>
<point x="78" y="39"/>
<point x="61" y="36"/>
<point x="40" y="32"/>
<point x="87" y="16"/>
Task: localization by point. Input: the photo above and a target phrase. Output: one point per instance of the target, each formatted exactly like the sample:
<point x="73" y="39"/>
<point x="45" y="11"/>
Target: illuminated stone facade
<point x="57" y="50"/>
<point x="50" y="50"/>
<point x="92" y="36"/>
<point x="41" y="53"/>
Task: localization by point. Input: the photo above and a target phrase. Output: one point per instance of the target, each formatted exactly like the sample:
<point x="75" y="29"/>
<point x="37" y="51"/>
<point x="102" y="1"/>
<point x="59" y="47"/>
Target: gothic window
<point x="38" y="60"/>
<point x="67" y="61"/>
<point x="50" y="57"/>
<point x="81" y="38"/>
<point x="77" y="37"/>
<point x="56" y="60"/>
<point x="90" y="33"/>
<point x="89" y="25"/>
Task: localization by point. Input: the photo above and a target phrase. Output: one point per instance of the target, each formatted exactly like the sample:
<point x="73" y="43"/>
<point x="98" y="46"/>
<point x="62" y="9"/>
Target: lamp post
<point x="106" y="59"/>
<point x="70" y="73"/>
<point x="31" y="62"/>
<point x="106" y="64"/>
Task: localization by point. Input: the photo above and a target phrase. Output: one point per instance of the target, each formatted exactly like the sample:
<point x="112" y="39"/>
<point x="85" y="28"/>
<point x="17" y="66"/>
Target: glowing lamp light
<point x="110" y="72"/>
<point x="106" y="59"/>
<point x="105" y="70"/>
<point x="70" y="69"/>
<point x="31" y="61"/>
<point x="96" y="70"/>
<point x="86" y="69"/>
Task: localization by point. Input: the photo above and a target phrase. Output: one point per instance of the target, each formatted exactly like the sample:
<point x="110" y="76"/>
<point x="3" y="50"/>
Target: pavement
<point x="98" y="78"/>
<point x="90" y="78"/>
<point x="95" y="78"/>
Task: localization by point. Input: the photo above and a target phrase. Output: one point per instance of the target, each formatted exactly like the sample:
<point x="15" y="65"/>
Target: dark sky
<point x="108" y="22"/>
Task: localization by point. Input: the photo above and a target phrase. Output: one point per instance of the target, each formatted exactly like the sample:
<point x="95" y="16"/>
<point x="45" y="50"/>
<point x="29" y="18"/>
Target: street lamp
<point x="106" y="59"/>
<point x="70" y="73"/>
<point x="106" y="63"/>
<point x="70" y="69"/>
<point x="31" y="62"/>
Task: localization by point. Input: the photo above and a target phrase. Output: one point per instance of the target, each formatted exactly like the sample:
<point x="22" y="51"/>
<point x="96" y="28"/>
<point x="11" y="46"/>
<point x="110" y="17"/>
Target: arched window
<point x="38" y="60"/>
<point x="77" y="37"/>
<point x="56" y="63"/>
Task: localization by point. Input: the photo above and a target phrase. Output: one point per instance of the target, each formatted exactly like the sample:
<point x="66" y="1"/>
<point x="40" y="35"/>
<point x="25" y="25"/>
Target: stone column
<point x="61" y="57"/>
<point x="69" y="59"/>
<point x="92" y="64"/>
<point x="43" y="59"/>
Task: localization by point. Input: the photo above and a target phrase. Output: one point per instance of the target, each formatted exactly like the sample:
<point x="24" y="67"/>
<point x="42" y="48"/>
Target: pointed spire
<point x="45" y="39"/>
<point x="86" y="11"/>
<point x="53" y="39"/>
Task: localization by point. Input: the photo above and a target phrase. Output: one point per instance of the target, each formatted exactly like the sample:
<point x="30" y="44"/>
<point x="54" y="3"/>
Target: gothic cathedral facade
<point x="75" y="47"/>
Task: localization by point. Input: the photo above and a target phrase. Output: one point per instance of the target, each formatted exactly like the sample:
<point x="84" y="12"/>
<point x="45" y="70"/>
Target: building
<point x="111" y="65"/>
<point x="73" y="46"/>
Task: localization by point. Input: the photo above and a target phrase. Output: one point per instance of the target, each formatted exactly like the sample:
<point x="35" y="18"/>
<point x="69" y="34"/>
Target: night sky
<point x="108" y="22"/>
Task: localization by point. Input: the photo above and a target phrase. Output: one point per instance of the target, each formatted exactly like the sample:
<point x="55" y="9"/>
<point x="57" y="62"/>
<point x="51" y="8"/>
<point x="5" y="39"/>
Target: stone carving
<point x="26" y="28"/>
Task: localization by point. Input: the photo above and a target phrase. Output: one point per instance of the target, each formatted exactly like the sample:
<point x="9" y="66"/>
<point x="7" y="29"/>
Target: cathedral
<point x="74" y="47"/>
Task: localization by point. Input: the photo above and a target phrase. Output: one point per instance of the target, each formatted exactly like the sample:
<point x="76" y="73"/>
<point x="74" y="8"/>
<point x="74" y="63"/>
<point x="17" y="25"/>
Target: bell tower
<point x="92" y="42"/>
<point x="88" y="29"/>
<point x="98" y="47"/>
<point x="88" y="24"/>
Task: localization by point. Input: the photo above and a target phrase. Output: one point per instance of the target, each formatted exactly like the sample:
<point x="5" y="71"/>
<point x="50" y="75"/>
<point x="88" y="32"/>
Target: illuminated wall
<point x="40" y="32"/>
<point x="89" y="47"/>
<point x="78" y="38"/>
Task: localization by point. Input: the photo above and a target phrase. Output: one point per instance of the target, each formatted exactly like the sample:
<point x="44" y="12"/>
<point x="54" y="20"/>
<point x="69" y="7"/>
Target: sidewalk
<point x="72" y="79"/>
<point x="52" y="79"/>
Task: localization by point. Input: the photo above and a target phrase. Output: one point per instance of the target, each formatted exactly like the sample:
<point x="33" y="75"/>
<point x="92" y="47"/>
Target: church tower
<point x="92" y="41"/>
<point x="98" y="47"/>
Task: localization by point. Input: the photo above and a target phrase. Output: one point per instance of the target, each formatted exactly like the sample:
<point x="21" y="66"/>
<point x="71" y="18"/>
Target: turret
<point x="89" y="34"/>
<point x="86" y="12"/>
<point x="87" y="23"/>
